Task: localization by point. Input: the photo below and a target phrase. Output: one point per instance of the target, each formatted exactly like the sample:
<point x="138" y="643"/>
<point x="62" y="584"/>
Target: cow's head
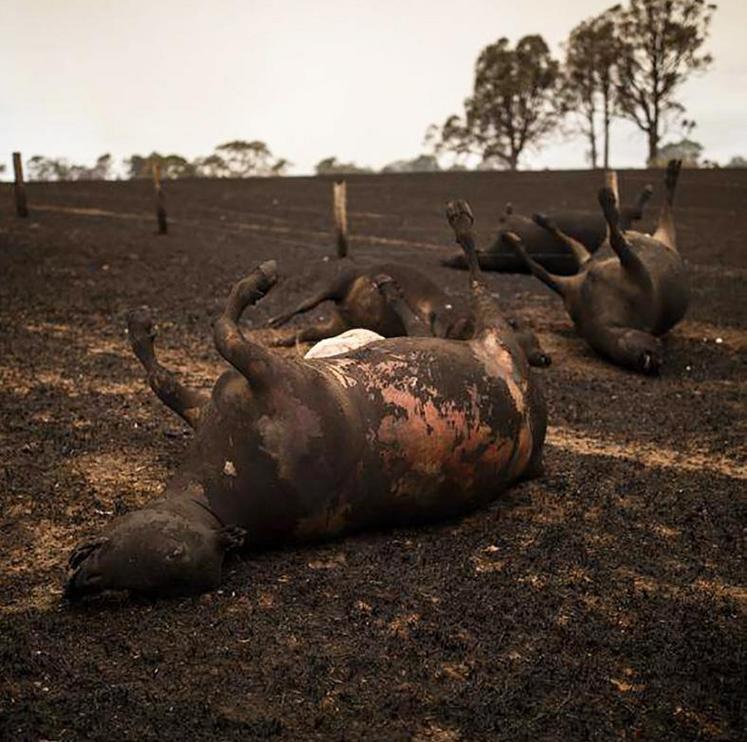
<point x="151" y="552"/>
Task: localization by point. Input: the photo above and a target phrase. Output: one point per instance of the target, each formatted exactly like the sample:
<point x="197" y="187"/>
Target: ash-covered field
<point x="606" y="600"/>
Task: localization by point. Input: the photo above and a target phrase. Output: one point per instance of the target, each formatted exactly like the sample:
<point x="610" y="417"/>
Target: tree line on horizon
<point x="235" y="159"/>
<point x="628" y="62"/>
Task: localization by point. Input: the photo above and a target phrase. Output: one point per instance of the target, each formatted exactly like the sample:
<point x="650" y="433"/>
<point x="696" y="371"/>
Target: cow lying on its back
<point x="358" y="303"/>
<point x="589" y="228"/>
<point x="621" y="305"/>
<point x="401" y="431"/>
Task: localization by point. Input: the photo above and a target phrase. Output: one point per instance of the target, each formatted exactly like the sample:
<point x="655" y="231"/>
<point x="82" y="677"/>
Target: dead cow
<point x="358" y="303"/>
<point x="586" y="227"/>
<point x="403" y="431"/>
<point x="621" y="305"/>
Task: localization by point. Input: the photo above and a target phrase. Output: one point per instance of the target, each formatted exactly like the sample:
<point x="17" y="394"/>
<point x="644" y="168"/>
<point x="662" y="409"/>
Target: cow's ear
<point x="83" y="550"/>
<point x="232" y="537"/>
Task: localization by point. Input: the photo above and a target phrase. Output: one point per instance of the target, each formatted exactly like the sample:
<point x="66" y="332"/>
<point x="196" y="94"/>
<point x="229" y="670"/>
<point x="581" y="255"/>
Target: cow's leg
<point x="392" y="293"/>
<point x="580" y="253"/>
<point x="324" y="329"/>
<point x="510" y="262"/>
<point x="259" y="365"/>
<point x="493" y="331"/>
<point x="335" y="290"/>
<point x="559" y="284"/>
<point x="642" y="199"/>
<point x="311" y="333"/>
<point x="300" y="308"/>
<point x="186" y="402"/>
<point x="618" y="242"/>
<point x="488" y="317"/>
<point x="610" y="181"/>
<point x="665" y="231"/>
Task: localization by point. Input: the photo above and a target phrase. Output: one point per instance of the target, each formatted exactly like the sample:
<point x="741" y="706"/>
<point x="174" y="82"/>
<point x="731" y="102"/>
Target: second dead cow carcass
<point x="621" y="305"/>
<point x="424" y="310"/>
<point x="358" y="303"/>
<point x="586" y="227"/>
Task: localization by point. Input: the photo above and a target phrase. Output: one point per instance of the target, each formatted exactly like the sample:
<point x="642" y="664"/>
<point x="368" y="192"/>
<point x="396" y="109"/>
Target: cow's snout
<point x="83" y="581"/>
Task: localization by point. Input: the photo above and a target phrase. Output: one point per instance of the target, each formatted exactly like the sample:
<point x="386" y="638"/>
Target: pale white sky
<point x="312" y="78"/>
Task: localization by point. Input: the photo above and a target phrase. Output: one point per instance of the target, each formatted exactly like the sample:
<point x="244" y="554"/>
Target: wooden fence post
<point x="610" y="180"/>
<point x="19" y="189"/>
<point x="163" y="224"/>
<point x="340" y="207"/>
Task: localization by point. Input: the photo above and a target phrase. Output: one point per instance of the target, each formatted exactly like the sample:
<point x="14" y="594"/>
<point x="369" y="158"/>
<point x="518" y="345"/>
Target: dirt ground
<point x="606" y="600"/>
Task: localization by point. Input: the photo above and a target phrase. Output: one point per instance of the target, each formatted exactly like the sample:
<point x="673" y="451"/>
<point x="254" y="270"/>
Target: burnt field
<point x="605" y="600"/>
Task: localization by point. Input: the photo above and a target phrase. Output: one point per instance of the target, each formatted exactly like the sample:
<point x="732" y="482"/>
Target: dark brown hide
<point x="359" y="303"/>
<point x="587" y="227"/>
<point x="402" y="431"/>
<point x="621" y="305"/>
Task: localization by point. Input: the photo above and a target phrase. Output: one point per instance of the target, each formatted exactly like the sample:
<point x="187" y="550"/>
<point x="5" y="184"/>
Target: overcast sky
<point x="359" y="80"/>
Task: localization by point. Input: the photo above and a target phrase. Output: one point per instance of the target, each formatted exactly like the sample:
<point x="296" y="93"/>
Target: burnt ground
<point x="606" y="600"/>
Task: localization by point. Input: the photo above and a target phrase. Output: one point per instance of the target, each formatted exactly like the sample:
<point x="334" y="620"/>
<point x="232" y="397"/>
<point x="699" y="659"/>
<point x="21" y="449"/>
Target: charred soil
<point x="605" y="600"/>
